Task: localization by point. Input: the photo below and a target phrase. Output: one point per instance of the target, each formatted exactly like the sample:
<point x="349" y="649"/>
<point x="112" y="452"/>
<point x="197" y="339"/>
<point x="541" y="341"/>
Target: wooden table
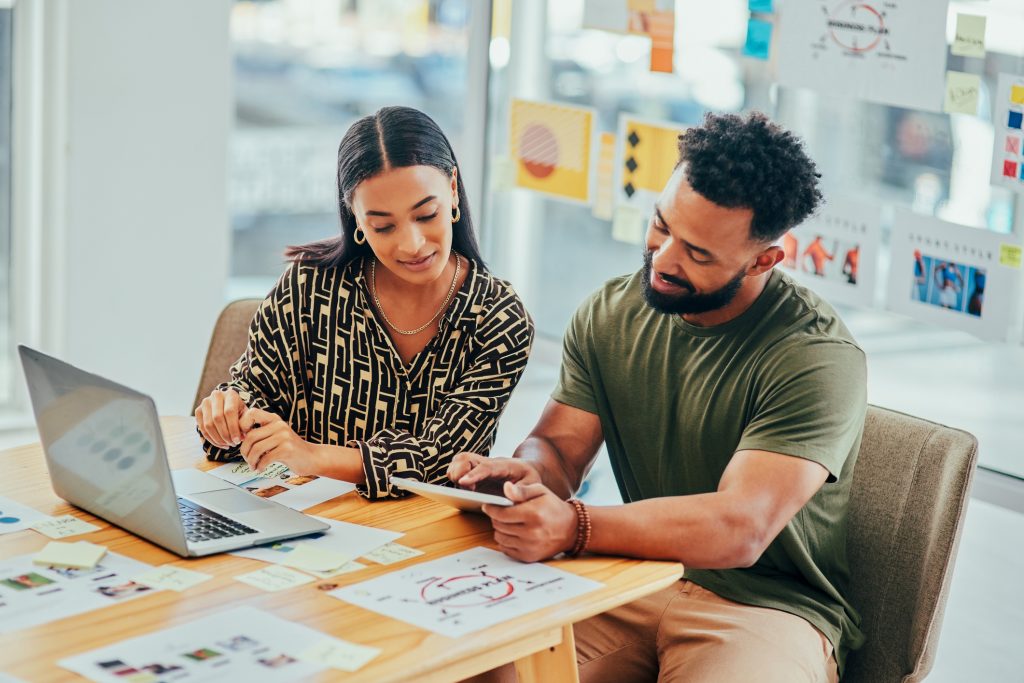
<point x="540" y="643"/>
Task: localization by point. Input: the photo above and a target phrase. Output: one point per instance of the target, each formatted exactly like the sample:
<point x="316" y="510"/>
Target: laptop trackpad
<point x="230" y="501"/>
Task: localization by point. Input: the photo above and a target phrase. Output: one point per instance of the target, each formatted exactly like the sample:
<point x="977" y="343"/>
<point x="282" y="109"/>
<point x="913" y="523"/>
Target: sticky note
<point x="970" y="36"/>
<point x="173" y="578"/>
<point x="275" y="578"/>
<point x="310" y="558"/>
<point x="762" y="6"/>
<point x="1017" y="94"/>
<point x="339" y="654"/>
<point x="1014" y="119"/>
<point x="1013" y="144"/>
<point x="80" y="555"/>
<point x="759" y="39"/>
<point x="503" y="173"/>
<point x="348" y="567"/>
<point x="1010" y="255"/>
<point x="627" y="225"/>
<point x="1010" y="169"/>
<point x="64" y="526"/>
<point x="392" y="553"/>
<point x="962" y="93"/>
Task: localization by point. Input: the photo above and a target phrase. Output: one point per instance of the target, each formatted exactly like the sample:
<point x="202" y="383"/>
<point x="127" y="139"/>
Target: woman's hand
<point x="218" y="418"/>
<point x="273" y="440"/>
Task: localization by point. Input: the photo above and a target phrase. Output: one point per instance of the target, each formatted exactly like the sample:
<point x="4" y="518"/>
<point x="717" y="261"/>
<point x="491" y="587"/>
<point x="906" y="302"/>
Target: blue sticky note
<point x="759" y="39"/>
<point x="761" y="6"/>
<point x="1015" y="119"/>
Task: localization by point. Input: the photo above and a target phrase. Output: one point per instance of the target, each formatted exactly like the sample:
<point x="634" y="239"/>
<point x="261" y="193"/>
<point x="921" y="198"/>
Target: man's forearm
<point x="702" y="531"/>
<point x="544" y="457"/>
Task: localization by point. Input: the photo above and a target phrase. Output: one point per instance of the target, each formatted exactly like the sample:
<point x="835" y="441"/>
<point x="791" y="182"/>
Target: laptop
<point x="106" y="454"/>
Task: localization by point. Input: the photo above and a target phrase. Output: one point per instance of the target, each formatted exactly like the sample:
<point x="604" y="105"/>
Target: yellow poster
<point x="550" y="145"/>
<point x="648" y="154"/>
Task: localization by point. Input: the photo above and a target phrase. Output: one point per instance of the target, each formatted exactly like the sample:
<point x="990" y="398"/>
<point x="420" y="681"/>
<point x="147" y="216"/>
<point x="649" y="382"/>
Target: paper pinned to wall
<point x="893" y="54"/>
<point x="1007" y="157"/>
<point x="759" y="39"/>
<point x="646" y="155"/>
<point x="835" y="252"/>
<point x="660" y="27"/>
<point x="550" y="145"/>
<point x="962" y="92"/>
<point x="604" y="197"/>
<point x="951" y="275"/>
<point x="969" y="40"/>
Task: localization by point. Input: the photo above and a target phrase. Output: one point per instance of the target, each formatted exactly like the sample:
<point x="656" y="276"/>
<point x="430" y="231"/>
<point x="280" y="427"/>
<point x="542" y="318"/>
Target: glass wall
<point x="6" y="355"/>
<point x="304" y="71"/>
<point x="934" y="164"/>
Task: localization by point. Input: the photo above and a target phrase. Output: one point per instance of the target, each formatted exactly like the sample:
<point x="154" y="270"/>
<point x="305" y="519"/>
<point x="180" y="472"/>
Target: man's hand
<point x="488" y="475"/>
<point x="539" y="526"/>
<point x="275" y="441"/>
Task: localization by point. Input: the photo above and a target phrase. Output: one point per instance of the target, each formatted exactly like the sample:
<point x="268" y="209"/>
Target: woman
<point x="386" y="350"/>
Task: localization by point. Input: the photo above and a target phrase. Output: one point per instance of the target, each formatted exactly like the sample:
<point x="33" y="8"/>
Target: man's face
<point x="698" y="254"/>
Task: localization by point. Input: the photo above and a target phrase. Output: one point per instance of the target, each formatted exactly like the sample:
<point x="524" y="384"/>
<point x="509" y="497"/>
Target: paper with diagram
<point x="281" y="485"/>
<point x="891" y="52"/>
<point x="465" y="592"/>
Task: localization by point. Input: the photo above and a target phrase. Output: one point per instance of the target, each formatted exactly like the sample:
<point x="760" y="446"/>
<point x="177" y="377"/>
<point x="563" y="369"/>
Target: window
<point x="303" y="73"/>
<point x="6" y="355"/>
<point x="540" y="51"/>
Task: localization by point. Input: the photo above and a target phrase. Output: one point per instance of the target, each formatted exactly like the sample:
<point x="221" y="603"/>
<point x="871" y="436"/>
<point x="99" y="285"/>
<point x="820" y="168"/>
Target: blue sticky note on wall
<point x="1014" y="120"/>
<point x="759" y="39"/>
<point x="761" y="6"/>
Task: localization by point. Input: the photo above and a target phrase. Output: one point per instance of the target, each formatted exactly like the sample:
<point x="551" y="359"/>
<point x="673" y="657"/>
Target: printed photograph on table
<point x="835" y="252"/>
<point x="646" y="155"/>
<point x="550" y="145"/>
<point x="891" y="52"/>
<point x="1008" y="153"/>
<point x="952" y="275"/>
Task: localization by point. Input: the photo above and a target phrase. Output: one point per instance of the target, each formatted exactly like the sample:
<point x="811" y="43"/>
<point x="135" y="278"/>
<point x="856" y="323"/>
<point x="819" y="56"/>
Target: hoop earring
<point x="359" y="237"/>
<point x="456" y="214"/>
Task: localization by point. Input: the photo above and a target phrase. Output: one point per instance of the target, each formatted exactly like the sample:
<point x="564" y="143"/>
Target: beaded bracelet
<point x="582" y="527"/>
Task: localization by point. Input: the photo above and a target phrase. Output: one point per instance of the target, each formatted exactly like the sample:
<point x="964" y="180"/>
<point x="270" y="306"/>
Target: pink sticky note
<point x="1012" y="144"/>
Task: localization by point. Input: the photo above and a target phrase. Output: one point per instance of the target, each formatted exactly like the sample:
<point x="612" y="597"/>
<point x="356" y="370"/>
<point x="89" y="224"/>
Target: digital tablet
<point x="467" y="501"/>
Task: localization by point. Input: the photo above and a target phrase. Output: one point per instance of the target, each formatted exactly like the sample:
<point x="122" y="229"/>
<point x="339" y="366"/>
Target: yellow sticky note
<point x="1010" y="255"/>
<point x="275" y="578"/>
<point x="962" y="93"/>
<point x="1017" y="94"/>
<point x="348" y="567"/>
<point x="339" y="654"/>
<point x="970" y="36"/>
<point x="310" y="558"/>
<point x="627" y="225"/>
<point x="604" y="199"/>
<point x="391" y="553"/>
<point x="80" y="555"/>
<point x="172" y="578"/>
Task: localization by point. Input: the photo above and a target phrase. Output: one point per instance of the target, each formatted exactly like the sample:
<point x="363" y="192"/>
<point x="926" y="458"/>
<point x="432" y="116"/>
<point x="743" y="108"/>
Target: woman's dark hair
<point x="750" y="162"/>
<point x="394" y="137"/>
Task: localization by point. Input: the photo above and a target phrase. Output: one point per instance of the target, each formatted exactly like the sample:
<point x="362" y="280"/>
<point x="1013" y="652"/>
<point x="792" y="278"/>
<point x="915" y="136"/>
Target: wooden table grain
<point x="540" y="643"/>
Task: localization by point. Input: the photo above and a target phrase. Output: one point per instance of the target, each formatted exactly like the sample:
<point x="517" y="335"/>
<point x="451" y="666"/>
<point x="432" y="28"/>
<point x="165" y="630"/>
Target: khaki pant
<point x="687" y="633"/>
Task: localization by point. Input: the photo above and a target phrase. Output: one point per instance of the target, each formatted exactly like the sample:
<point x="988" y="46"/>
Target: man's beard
<point x="689" y="301"/>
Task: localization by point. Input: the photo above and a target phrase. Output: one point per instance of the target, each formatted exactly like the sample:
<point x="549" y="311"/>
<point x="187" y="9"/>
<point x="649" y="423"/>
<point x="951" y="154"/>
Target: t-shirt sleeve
<point x="575" y="383"/>
<point x="810" y="403"/>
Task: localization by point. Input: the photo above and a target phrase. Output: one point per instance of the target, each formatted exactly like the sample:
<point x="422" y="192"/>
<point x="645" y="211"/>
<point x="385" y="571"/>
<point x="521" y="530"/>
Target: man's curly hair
<point x="749" y="162"/>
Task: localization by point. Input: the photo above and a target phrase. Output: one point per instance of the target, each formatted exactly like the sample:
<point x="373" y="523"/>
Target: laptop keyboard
<point x="206" y="525"/>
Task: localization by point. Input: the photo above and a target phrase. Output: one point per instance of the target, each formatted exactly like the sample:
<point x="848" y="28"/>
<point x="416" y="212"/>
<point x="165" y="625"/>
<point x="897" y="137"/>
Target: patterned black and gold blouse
<point x="319" y="357"/>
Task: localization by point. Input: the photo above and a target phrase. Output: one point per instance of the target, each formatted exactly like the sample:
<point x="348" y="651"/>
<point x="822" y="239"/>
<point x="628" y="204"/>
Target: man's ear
<point x="770" y="257"/>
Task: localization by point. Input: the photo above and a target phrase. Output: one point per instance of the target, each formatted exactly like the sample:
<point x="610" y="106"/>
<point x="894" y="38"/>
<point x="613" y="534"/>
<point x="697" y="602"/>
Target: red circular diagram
<point x="857" y="26"/>
<point x="470" y="590"/>
<point x="539" y="150"/>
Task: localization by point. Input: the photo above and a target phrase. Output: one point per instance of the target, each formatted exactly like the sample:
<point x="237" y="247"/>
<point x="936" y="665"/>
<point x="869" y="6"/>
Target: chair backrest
<point x="909" y="494"/>
<point x="230" y="335"/>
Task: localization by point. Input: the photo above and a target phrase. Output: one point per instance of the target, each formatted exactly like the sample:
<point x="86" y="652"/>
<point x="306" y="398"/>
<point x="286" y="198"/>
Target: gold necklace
<point x="444" y="304"/>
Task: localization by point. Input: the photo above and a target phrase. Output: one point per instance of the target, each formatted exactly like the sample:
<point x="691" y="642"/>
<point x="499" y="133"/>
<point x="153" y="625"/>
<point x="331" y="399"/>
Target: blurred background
<point x="156" y="159"/>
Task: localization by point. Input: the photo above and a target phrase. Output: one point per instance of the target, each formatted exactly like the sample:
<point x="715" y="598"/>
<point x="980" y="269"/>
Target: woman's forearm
<point x="340" y="462"/>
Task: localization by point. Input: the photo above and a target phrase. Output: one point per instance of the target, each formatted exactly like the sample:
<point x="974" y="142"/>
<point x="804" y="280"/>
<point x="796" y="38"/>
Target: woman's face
<point x="406" y="215"/>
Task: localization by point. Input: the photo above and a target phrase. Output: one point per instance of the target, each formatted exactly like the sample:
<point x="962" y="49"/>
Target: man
<point x="731" y="401"/>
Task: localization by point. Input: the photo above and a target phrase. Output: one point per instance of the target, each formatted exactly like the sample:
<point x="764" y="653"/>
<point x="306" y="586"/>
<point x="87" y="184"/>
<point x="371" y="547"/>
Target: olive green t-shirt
<point x="676" y="401"/>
